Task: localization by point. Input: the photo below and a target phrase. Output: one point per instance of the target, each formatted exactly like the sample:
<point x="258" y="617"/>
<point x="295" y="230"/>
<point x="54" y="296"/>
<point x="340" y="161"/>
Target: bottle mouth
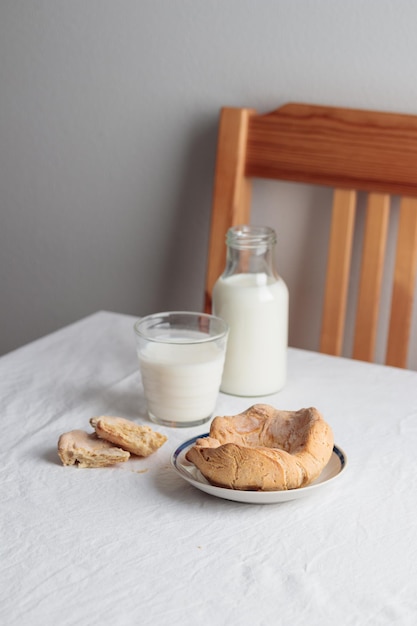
<point x="245" y="236"/>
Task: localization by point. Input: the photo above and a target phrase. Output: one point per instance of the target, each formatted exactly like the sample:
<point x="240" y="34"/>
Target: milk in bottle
<point x="253" y="300"/>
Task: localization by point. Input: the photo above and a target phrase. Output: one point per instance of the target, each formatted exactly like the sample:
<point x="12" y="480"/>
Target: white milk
<point x="181" y="381"/>
<point x="256" y="308"/>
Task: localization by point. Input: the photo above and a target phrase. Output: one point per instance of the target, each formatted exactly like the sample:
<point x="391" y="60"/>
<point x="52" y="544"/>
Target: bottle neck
<point x="250" y="250"/>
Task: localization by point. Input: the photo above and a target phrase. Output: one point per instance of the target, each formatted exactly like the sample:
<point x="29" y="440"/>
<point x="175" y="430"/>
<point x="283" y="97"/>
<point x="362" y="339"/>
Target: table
<point x="136" y="544"/>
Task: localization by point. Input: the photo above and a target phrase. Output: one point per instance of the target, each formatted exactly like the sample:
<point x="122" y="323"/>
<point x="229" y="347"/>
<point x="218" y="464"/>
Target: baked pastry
<point x="264" y="449"/>
<point x="137" y="439"/>
<point x="87" y="450"/>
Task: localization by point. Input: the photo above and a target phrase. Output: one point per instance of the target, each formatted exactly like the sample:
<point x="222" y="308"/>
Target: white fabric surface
<point x="136" y="544"/>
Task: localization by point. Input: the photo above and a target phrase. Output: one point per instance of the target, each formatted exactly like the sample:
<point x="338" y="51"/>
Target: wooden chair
<point x="349" y="150"/>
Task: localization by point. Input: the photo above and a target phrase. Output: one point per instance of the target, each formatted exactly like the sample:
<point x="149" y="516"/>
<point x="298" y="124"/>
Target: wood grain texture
<point x="372" y="267"/>
<point x="404" y="285"/>
<point x="232" y="191"/>
<point x="333" y="146"/>
<point x="338" y="268"/>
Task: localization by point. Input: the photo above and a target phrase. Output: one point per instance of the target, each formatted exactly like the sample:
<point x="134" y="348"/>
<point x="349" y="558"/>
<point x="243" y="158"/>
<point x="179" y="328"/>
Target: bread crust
<point x="137" y="439"/>
<point x="264" y="449"/>
<point x="78" y="447"/>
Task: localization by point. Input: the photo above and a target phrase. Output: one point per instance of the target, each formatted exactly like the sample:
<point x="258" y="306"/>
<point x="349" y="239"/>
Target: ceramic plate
<point x="190" y="473"/>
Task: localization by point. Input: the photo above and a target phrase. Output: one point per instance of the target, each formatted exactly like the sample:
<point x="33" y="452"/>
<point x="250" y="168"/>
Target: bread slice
<point x="87" y="450"/>
<point x="137" y="439"/>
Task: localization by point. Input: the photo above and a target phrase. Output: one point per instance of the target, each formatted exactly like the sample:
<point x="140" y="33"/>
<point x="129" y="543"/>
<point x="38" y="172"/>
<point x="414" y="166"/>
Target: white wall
<point x="108" y="114"/>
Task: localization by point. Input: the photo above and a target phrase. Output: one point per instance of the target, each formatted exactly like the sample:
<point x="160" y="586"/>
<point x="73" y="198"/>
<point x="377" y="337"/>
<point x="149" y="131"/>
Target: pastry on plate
<point x="264" y="449"/>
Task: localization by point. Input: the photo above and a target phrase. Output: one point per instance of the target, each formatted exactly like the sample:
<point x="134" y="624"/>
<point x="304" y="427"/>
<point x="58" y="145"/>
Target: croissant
<point x="264" y="449"/>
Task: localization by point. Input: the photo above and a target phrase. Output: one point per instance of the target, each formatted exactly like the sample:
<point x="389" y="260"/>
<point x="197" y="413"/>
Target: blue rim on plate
<point x="334" y="468"/>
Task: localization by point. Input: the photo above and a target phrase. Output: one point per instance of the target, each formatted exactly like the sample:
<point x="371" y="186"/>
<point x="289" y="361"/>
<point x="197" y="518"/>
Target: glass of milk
<point x="181" y="358"/>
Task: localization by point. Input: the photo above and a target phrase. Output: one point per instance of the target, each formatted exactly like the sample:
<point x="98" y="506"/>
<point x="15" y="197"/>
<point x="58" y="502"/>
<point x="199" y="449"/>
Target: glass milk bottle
<point x="253" y="300"/>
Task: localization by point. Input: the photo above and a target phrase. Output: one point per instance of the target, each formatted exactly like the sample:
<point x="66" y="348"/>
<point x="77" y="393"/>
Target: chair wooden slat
<point x="338" y="267"/>
<point x="404" y="285"/>
<point x="232" y="190"/>
<point x="372" y="266"/>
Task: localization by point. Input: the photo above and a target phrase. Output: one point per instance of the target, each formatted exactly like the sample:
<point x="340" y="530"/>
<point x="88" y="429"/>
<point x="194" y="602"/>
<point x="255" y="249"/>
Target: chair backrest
<point x="349" y="150"/>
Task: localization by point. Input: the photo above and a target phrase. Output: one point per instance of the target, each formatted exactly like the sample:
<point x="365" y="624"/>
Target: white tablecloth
<point x="136" y="544"/>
